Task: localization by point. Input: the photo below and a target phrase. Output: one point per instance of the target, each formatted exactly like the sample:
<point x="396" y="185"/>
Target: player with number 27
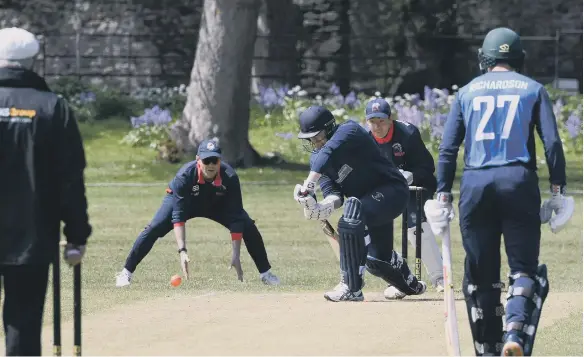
<point x="496" y="115"/>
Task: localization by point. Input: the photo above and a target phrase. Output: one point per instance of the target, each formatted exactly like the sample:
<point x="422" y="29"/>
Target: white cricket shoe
<point x="392" y="293"/>
<point x="342" y="282"/>
<point x="269" y="278"/>
<point x="123" y="278"/>
<point x="341" y="292"/>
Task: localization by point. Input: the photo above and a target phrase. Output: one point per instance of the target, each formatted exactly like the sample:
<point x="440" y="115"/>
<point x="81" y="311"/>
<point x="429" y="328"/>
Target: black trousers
<point x="24" y="292"/>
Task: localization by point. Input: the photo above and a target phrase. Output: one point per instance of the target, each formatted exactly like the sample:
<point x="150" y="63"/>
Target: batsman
<point x="402" y="143"/>
<point x="347" y="163"/>
<point x="496" y="114"/>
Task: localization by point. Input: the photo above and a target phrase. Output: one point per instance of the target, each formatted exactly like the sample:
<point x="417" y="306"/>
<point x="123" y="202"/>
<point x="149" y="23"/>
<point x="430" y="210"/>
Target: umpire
<point x="41" y="184"/>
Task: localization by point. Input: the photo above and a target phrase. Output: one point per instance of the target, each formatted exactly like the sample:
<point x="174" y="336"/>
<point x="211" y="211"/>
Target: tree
<point x="219" y="91"/>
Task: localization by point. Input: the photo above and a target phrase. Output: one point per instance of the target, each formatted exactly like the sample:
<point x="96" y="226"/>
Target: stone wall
<point x="388" y="45"/>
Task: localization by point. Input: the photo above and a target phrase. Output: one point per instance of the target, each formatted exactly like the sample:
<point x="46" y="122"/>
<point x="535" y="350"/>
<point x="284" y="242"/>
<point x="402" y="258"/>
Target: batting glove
<point x="439" y="212"/>
<point x="557" y="210"/>
<point x="308" y="200"/>
<point x="322" y="210"/>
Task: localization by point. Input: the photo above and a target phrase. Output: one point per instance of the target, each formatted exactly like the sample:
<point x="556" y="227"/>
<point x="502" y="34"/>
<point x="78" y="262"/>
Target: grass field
<point x="214" y="314"/>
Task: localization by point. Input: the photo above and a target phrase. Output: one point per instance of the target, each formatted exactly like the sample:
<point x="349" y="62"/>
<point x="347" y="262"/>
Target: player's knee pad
<point x="525" y="299"/>
<point x="394" y="272"/>
<point x="485" y="314"/>
<point x="351" y="231"/>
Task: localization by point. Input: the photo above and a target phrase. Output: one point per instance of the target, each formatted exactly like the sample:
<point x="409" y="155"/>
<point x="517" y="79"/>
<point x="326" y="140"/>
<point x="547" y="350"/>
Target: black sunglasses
<point x="210" y="160"/>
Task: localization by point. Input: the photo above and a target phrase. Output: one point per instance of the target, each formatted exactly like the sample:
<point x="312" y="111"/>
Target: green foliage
<point x="147" y="136"/>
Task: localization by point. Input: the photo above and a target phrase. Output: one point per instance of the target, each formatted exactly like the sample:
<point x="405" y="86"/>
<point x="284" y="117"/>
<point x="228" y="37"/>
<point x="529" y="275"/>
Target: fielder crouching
<point x="402" y="143"/>
<point x="206" y="188"/>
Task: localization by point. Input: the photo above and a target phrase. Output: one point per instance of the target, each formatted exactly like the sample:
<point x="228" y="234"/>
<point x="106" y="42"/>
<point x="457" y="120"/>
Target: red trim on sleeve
<point x="236" y="236"/>
<point x="179" y="224"/>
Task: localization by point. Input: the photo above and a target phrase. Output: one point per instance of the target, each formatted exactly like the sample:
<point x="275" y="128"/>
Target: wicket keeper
<point x="351" y="170"/>
<point x="42" y="160"/>
<point x="496" y="115"/>
<point x="208" y="188"/>
<point x="402" y="143"/>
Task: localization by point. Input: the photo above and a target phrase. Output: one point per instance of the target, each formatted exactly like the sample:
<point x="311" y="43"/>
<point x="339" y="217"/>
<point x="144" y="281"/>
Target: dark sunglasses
<point x="210" y="160"/>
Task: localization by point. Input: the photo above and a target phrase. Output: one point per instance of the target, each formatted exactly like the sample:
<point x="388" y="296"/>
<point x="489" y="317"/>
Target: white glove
<point x="562" y="206"/>
<point x="73" y="254"/>
<point x="321" y="211"/>
<point x="408" y="176"/>
<point x="439" y="212"/>
<point x="304" y="198"/>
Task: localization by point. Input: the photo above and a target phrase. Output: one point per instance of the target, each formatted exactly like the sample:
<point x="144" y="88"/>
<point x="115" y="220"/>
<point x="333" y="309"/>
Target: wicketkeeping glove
<point x="557" y="210"/>
<point x="408" y="176"/>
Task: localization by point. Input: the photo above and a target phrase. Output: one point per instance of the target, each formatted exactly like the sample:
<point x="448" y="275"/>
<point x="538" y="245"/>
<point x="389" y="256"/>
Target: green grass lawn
<point x="297" y="249"/>
<point x="110" y="161"/>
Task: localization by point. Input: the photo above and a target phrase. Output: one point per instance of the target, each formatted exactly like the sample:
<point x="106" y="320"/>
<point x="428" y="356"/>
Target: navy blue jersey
<point x="495" y="114"/>
<point x="352" y="164"/>
<point x="403" y="145"/>
<point x="193" y="196"/>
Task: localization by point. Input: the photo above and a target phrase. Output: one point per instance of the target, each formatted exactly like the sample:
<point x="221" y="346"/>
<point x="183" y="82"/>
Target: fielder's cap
<point x="17" y="44"/>
<point x="209" y="148"/>
<point x="377" y="108"/>
<point x="314" y="120"/>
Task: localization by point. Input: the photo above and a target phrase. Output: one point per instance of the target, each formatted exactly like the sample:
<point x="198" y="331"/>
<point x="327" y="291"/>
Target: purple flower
<point x="437" y="122"/>
<point x="270" y="98"/>
<point x="155" y="116"/>
<point x="334" y="90"/>
<point x="429" y="98"/>
<point x="352" y="101"/>
<point x="86" y="97"/>
<point x="573" y="125"/>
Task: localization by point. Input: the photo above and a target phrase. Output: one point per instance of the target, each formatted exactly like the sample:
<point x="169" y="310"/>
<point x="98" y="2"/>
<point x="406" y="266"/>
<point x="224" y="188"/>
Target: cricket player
<point x="208" y="188"/>
<point x="41" y="185"/>
<point x="402" y="143"/>
<point x="351" y="170"/>
<point x="495" y="115"/>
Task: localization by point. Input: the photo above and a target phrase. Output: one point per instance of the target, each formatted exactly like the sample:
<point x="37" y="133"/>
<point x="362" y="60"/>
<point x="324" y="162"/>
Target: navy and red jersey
<point x="403" y="145"/>
<point x="195" y="197"/>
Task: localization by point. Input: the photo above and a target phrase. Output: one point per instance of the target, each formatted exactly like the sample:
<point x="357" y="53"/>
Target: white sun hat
<point x="17" y="44"/>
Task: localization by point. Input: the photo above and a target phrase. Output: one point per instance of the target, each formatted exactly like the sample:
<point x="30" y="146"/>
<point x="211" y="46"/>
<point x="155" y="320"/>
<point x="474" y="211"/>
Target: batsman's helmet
<point x="314" y="120"/>
<point x="501" y="45"/>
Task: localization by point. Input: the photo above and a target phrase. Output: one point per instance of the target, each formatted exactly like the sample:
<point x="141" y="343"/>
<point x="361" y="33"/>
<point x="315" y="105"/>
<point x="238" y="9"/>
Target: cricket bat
<point x="450" y="321"/>
<point x="332" y="236"/>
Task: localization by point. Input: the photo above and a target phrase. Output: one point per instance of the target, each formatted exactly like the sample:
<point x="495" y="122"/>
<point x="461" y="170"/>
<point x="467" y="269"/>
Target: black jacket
<point x="405" y="147"/>
<point x="41" y="171"/>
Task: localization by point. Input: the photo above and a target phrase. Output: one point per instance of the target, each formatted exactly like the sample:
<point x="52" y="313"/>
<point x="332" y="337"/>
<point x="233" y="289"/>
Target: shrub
<point x="151" y="129"/>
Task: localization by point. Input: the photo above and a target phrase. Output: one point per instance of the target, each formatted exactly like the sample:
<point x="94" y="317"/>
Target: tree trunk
<point x="218" y="96"/>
